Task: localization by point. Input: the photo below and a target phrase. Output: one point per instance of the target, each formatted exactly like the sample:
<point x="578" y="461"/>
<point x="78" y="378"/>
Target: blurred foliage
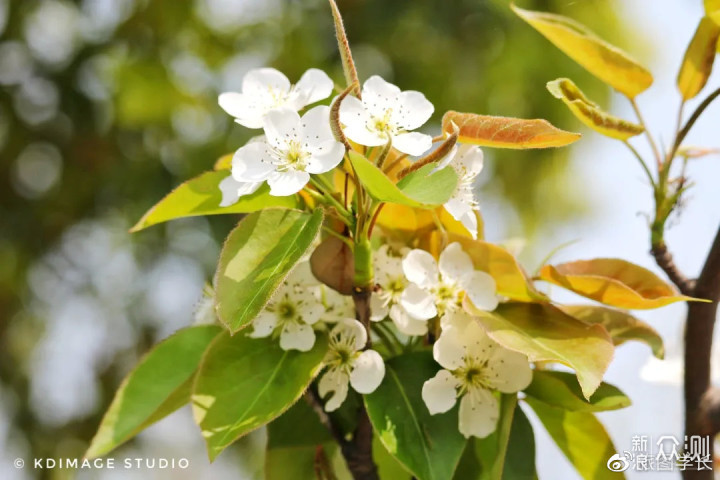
<point x="105" y="105"/>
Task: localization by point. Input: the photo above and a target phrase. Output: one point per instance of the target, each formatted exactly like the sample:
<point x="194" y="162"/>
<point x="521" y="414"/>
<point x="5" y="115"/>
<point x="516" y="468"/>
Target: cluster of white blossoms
<point x="294" y="147"/>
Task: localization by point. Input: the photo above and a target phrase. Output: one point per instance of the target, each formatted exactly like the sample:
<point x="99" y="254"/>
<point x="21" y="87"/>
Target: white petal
<point x="247" y="111"/>
<point x="282" y="126"/>
<point x="302" y="276"/>
<point x="450" y="349"/>
<point x="349" y="330"/>
<point x="479" y="413"/>
<point x="379" y="95"/>
<point x="232" y="190"/>
<point x="313" y="86"/>
<point x="439" y="393"/>
<point x="508" y="371"/>
<point x="418" y="303"/>
<point x="457" y="319"/>
<point x="265" y="82"/>
<point x="251" y="163"/>
<point x="325" y="157"/>
<point x="263" y="324"/>
<point x="469" y="160"/>
<point x="368" y="372"/>
<point x="420" y="268"/>
<point x="353" y="113"/>
<point x="309" y="307"/>
<point x="469" y="220"/>
<point x="455" y="263"/>
<point x="412" y="143"/>
<point x="456" y="207"/>
<point x="334" y="380"/>
<point x="407" y="324"/>
<point x="481" y="289"/>
<point x="287" y="183"/>
<point x="412" y="110"/>
<point x="297" y="336"/>
<point x="316" y="126"/>
<point x="378" y="308"/>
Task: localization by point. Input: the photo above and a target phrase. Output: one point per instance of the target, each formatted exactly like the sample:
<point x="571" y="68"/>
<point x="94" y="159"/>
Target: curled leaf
<point x="506" y="132"/>
<point x="590" y="113"/>
<point x="335" y="116"/>
<point x="605" y="61"/>
<point x="699" y="58"/>
<point x="621" y="326"/>
<point x="351" y="76"/>
<point x="614" y="282"/>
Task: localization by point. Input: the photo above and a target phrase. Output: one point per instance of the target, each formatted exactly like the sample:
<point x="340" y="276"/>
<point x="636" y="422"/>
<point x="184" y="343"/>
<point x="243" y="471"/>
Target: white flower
<point x="386" y="112"/>
<point x="437" y="291"/>
<point x="265" y="89"/>
<point x="467" y="163"/>
<point x="294" y="148"/>
<point x="232" y="190"/>
<point x="474" y="366"/>
<point x="292" y="311"/>
<point x="389" y="275"/>
<point x="337" y="306"/>
<point x="347" y="363"/>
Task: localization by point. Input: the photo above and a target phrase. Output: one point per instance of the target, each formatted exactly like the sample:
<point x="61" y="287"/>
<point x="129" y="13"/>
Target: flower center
<point x="448" y="298"/>
<point x="472" y="374"/>
<point x="286" y="311"/>
<point x="294" y="158"/>
<point x="382" y="124"/>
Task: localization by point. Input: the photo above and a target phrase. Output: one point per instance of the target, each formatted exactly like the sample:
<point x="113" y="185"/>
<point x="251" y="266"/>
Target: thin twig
<point x="642" y="162"/>
<point x="649" y="136"/>
<point x="691" y="121"/>
<point x="665" y="261"/>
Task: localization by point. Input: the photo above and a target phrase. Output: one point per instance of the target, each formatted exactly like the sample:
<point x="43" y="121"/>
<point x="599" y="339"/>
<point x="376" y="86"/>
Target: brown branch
<point x="700" y="401"/>
<point x="313" y="399"/>
<point x="665" y="261"/>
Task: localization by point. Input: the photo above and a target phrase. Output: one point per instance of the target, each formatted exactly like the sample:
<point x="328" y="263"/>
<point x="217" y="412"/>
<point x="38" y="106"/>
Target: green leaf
<point x="493" y="449"/>
<point x="581" y="437"/>
<point x="418" y="189"/>
<point x="520" y="457"/>
<point x="429" y="446"/>
<point x="257" y="256"/>
<point x="605" y="61"/>
<point x="157" y="386"/>
<point x="299" y="426"/>
<point x="201" y="196"/>
<point x="387" y="466"/>
<point x="561" y="389"/>
<point x="621" y="326"/>
<point x="699" y="57"/>
<point x="590" y="113"/>
<point x="244" y="383"/>
<point x="545" y="333"/>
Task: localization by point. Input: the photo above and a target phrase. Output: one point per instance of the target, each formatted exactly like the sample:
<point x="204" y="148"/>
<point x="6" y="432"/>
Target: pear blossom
<point x="337" y="306"/>
<point x="294" y="147"/>
<point x="348" y="364"/>
<point x="467" y="163"/>
<point x="439" y="288"/>
<point x="474" y="366"/>
<point x="386" y="113"/>
<point x="292" y="312"/>
<point x="232" y="190"/>
<point x="265" y="89"/>
<point x="391" y="279"/>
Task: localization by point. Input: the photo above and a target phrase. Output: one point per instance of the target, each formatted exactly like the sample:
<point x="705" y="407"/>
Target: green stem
<point x="649" y="136"/>
<point x="642" y="162"/>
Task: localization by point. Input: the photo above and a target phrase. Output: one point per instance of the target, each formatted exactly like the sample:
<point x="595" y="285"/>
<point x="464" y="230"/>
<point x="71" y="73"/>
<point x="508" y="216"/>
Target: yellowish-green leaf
<point x="506" y="132"/>
<point x="224" y="162"/>
<point x="621" y="326"/>
<point x="201" y="196"/>
<point x="590" y="113"/>
<point x="605" y="61"/>
<point x="561" y="389"/>
<point x="614" y="282"/>
<point x="545" y="333"/>
<point x="699" y="58"/>
<point x="712" y="10"/>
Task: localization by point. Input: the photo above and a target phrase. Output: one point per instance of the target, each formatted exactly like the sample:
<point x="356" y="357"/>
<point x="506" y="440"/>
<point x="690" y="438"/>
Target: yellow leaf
<point x="605" y="61"/>
<point x="699" y="57"/>
<point x="505" y="132"/>
<point x="712" y="10"/>
<point x="613" y="282"/>
<point x="224" y="162"/>
<point x="511" y="280"/>
<point x="590" y="113"/>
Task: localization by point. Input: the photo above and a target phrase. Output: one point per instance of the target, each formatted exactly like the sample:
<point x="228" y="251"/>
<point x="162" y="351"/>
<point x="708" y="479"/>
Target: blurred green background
<point x="105" y="105"/>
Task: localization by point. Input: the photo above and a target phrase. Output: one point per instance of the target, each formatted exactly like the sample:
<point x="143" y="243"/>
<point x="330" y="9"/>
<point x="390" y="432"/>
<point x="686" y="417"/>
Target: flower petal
<point x="412" y="110"/>
<point x="378" y="308"/>
<point x="265" y="82"/>
<point x="309" y="307"/>
<point x="440" y="392"/>
<point x="313" y="86"/>
<point x="334" y="380"/>
<point x="325" y="157"/>
<point x="251" y="163"/>
<point x="287" y="183"/>
<point x="450" y="349"/>
<point x="455" y="263"/>
<point x="480" y="287"/>
<point x="508" y="371"/>
<point x="457" y="319"/>
<point x="316" y="126"/>
<point x="232" y="190"/>
<point x="469" y="160"/>
<point x="247" y="111"/>
<point x="379" y="95"/>
<point x="368" y="372"/>
<point x="420" y="268"/>
<point x="412" y="143"/>
<point x="407" y="324"/>
<point x="418" y="303"/>
<point x="263" y="324"/>
<point x="297" y="336"/>
<point x="479" y="413"/>
<point x="349" y="330"/>
<point x="282" y="126"/>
